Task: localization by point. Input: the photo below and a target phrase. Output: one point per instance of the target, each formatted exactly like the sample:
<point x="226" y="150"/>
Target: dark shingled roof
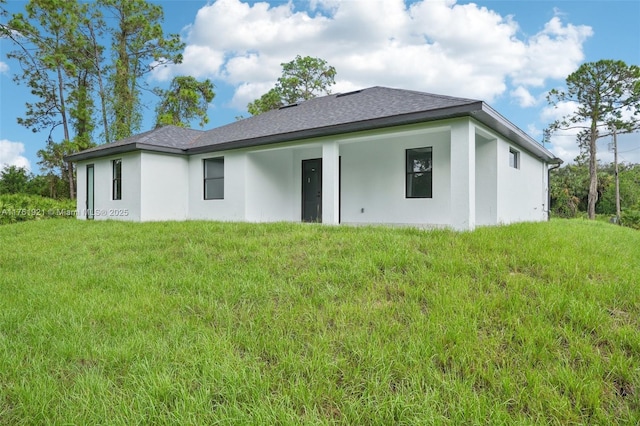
<point x="167" y="138"/>
<point x="360" y="110"/>
<point x="367" y="109"/>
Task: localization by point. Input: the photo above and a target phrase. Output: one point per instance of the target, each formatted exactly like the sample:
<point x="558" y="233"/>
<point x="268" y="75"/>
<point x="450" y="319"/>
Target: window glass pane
<point x="420" y="185"/>
<point x="90" y="191"/>
<point x="513" y="158"/>
<point x="419" y="160"/>
<point x="214" y="178"/>
<point x="214" y="168"/>
<point x="419" y="173"/>
<point x="117" y="179"/>
<point x="214" y="189"/>
<point x="117" y="189"/>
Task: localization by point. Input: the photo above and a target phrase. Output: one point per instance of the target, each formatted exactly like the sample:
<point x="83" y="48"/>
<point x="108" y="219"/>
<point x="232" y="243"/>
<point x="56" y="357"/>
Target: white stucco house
<point x="372" y="156"/>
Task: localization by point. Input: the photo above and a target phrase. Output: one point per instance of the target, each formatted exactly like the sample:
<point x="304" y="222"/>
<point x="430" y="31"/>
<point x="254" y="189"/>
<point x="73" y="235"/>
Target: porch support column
<point x="330" y="183"/>
<point x="463" y="176"/>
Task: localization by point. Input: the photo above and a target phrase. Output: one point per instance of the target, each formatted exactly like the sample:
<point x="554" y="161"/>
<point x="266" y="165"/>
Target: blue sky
<point x="508" y="53"/>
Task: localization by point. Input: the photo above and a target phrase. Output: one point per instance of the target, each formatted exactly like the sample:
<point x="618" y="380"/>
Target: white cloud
<point x="11" y="154"/>
<point x="524" y="97"/>
<point x="554" y="53"/>
<point x="4" y="68"/>
<point x="562" y="109"/>
<point x="248" y="92"/>
<point x="534" y="131"/>
<point x="434" y="46"/>
<point x="563" y="142"/>
<point x="565" y="146"/>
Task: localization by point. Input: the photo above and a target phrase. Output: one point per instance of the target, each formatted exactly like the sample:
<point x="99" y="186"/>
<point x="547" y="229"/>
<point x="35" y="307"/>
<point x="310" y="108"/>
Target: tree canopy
<point x="569" y="191"/>
<point x="186" y="99"/>
<point x="139" y="45"/>
<point x="13" y="180"/>
<point x="302" y="79"/>
<point x="51" y="46"/>
<point x="61" y="47"/>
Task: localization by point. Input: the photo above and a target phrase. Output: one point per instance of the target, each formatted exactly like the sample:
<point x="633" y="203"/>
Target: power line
<point x="630" y="150"/>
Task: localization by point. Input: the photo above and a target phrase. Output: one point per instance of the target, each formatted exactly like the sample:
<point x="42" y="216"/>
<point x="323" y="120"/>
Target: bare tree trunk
<point x="72" y="192"/>
<point x="101" y="93"/>
<point x="103" y="106"/>
<point x="63" y="112"/>
<point x="593" y="173"/>
<point x="65" y="126"/>
<point x="615" y="160"/>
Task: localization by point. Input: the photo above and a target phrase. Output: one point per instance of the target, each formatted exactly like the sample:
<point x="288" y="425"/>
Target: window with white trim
<point x="514" y="158"/>
<point x="116" y="191"/>
<point x="419" y="173"/>
<point x="213" y="178"/>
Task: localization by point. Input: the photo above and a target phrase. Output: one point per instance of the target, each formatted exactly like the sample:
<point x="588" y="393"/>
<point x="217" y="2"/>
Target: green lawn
<point x="210" y="323"/>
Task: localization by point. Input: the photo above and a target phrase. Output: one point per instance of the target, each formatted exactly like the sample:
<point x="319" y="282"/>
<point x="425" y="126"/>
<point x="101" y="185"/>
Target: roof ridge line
<point x="435" y="95"/>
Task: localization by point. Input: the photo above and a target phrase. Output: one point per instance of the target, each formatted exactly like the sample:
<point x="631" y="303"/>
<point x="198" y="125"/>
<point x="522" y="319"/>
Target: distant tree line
<point x="17" y="180"/>
<point x="24" y="196"/>
<point x="570" y="191"/>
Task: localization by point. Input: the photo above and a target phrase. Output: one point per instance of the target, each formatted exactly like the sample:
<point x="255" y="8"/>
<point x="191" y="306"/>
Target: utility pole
<point x="615" y="161"/>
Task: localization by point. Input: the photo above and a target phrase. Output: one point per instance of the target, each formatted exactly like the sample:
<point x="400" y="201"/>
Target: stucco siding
<point x="165" y="187"/>
<point x="374" y="174"/>
<point x="270" y="186"/>
<point x="486" y="181"/>
<point x="232" y="206"/>
<point x="463" y="175"/>
<point x="105" y="207"/>
<point x="522" y="190"/>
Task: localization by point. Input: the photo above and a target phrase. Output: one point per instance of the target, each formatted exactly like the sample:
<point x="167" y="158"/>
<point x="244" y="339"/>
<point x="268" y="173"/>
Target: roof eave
<point x="121" y="149"/>
<point x="496" y="121"/>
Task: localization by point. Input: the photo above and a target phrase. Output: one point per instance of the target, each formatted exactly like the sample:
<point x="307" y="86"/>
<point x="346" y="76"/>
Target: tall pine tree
<point x="138" y="45"/>
<point x="50" y="53"/>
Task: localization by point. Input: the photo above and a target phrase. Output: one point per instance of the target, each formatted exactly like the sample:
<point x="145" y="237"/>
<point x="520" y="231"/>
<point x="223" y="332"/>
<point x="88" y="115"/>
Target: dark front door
<point x="312" y="190"/>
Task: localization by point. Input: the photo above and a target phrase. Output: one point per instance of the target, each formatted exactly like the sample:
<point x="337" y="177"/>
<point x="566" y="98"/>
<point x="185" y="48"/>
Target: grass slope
<point x="209" y="323"/>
